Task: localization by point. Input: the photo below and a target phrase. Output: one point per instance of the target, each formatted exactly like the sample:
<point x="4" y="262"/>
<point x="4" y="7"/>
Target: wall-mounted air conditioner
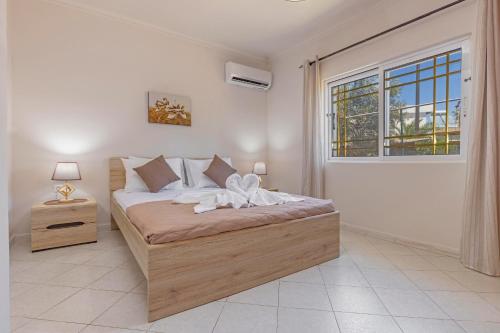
<point x="248" y="76"/>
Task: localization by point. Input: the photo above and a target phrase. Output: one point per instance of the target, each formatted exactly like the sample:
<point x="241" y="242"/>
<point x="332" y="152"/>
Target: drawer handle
<point x="65" y="225"/>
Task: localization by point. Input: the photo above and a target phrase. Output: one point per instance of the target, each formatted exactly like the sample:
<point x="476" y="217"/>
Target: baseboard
<point x="444" y="250"/>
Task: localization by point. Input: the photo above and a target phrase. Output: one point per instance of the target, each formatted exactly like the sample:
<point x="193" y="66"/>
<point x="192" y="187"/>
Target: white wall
<point x="4" y="222"/>
<point x="79" y="93"/>
<point x="413" y="201"/>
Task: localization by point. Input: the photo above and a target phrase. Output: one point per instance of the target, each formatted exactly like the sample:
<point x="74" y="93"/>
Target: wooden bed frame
<point x="184" y="274"/>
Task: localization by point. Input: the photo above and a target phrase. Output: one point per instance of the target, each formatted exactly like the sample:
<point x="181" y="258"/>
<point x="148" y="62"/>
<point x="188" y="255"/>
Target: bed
<point x="185" y="273"/>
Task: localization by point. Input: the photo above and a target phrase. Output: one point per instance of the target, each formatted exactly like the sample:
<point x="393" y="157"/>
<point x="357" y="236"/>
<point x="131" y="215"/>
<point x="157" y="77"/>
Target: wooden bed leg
<point x="113" y="224"/>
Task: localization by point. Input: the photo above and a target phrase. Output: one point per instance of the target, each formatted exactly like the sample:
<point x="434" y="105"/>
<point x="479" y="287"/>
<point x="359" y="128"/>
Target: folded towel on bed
<point x="240" y="192"/>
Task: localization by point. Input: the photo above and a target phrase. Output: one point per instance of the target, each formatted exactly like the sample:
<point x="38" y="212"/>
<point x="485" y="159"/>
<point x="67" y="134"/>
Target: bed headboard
<point x="116" y="174"/>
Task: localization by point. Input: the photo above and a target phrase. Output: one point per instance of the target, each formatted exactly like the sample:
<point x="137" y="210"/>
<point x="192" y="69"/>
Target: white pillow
<point x="134" y="182"/>
<point x="195" y="168"/>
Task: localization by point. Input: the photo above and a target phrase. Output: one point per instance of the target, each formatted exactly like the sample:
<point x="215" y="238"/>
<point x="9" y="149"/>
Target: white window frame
<point x="380" y="68"/>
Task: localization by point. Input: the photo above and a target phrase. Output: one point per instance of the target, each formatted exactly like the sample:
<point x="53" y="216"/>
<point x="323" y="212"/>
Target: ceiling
<point x="257" y="27"/>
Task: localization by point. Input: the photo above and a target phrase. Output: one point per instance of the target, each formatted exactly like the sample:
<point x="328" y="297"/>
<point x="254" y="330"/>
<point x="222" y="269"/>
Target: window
<point x="423" y="106"/>
<point x="417" y="104"/>
<point x="355" y="113"/>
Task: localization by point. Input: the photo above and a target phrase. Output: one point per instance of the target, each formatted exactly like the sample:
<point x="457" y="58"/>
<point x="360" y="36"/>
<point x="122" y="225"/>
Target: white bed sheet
<point x="127" y="199"/>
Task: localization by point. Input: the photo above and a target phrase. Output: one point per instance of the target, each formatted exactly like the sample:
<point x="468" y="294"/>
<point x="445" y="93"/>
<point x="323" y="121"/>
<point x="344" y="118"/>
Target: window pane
<point x="423" y="117"/>
<point x="355" y="118"/>
<point x="401" y="80"/>
<point x="426" y="92"/>
<point x="402" y="96"/>
<point x="400" y="71"/>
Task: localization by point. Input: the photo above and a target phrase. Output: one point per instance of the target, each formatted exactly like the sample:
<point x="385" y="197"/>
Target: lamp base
<point x="66" y="190"/>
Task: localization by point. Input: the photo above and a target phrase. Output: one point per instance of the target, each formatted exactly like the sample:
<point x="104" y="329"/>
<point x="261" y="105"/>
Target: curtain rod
<point x="432" y="12"/>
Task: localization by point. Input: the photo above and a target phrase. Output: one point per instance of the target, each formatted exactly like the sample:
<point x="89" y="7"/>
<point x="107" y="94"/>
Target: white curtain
<point x="313" y="151"/>
<point x="481" y="228"/>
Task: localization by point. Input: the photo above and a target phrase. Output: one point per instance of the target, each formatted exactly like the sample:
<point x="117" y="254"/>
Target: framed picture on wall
<point x="169" y="109"/>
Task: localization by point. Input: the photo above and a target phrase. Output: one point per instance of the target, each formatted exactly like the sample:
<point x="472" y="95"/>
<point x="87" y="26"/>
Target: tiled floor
<point x="375" y="286"/>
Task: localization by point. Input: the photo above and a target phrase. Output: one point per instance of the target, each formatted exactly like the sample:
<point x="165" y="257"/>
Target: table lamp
<point x="66" y="171"/>
<point x="259" y="168"/>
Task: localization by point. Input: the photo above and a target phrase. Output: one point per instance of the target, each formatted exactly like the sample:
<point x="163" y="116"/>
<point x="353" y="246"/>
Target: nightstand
<point x="55" y="224"/>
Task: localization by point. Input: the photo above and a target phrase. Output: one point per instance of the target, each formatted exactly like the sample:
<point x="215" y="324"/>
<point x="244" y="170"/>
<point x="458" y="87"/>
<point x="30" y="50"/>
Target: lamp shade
<point x="259" y="168"/>
<point x="66" y="171"/>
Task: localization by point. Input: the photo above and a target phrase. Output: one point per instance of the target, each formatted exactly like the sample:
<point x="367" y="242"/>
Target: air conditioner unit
<point x="248" y="76"/>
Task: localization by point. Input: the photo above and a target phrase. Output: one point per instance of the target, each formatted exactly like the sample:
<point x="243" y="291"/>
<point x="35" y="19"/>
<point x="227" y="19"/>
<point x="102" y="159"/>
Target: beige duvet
<point x="165" y="221"/>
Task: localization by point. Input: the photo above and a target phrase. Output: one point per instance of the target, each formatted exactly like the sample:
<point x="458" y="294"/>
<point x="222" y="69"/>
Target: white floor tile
<point x="39" y="300"/>
<point x="102" y="329"/>
<point x="445" y="263"/>
<point x="247" y="318"/>
<point x="305" y="302"/>
<point x="120" y="279"/>
<point x="303" y="296"/>
<point x="42" y="326"/>
<point x="17" y="322"/>
<point x="76" y="255"/>
<point x="198" y="320"/>
<point x="415" y="262"/>
<point x="343" y="276"/>
<point x="41" y="272"/>
<point x="266" y="294"/>
<point x="83" y="307"/>
<point x="383" y="278"/>
<point x="111" y="258"/>
<point x="128" y="312"/>
<point x="372" y="260"/>
<point x="410" y="303"/>
<point x="23" y="253"/>
<point x="476" y="281"/>
<point x="18" y="288"/>
<point x="306" y="321"/>
<point x="434" y="280"/>
<point x="492" y="298"/>
<point x="363" y="323"/>
<point x="142" y="288"/>
<point x="18" y="266"/>
<point x="420" y="325"/>
<point x="355" y="299"/>
<point x="475" y="327"/>
<point x="81" y="276"/>
<point x="343" y="260"/>
<point x="310" y="275"/>
<point x="360" y="248"/>
<point x="465" y="306"/>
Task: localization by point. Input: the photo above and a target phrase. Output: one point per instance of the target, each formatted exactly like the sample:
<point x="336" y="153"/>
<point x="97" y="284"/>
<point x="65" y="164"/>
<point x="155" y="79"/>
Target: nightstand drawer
<point x="41" y="218"/>
<point x="64" y="224"/>
<point x="58" y="235"/>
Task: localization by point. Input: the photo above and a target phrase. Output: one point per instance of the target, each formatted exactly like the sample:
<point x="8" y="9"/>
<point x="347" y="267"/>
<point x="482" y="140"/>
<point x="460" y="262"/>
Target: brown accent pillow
<point x="218" y="171"/>
<point x="157" y="174"/>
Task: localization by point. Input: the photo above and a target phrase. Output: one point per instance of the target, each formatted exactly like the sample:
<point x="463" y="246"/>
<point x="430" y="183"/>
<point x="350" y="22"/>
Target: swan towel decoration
<point x="240" y="192"/>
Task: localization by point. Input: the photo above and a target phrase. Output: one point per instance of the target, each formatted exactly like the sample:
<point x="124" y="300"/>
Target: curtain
<point x="481" y="229"/>
<point x="313" y="153"/>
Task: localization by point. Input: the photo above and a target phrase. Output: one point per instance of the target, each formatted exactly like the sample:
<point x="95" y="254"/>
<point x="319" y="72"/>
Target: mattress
<point x="127" y="199"/>
<point x="160" y="220"/>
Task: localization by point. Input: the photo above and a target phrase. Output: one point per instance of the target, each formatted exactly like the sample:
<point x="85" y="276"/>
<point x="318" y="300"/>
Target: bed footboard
<point x="186" y="274"/>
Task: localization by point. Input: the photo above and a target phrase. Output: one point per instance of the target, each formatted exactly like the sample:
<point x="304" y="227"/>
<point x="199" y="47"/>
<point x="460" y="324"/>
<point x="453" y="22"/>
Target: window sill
<point x="396" y="161"/>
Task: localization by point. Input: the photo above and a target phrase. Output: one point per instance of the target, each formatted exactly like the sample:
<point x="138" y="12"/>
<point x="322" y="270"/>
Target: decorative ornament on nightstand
<point x="66" y="171"/>
<point x="259" y="168"/>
